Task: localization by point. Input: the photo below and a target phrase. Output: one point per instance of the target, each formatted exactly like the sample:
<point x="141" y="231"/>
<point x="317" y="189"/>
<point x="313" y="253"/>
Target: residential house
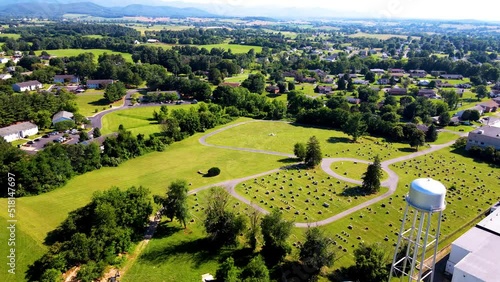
<point x="494" y="93"/>
<point x="18" y="131"/>
<point x="46" y="57"/>
<point x="445" y="84"/>
<point x="351" y="75"/>
<point x="4" y="60"/>
<point x="397" y="91"/>
<point x="98" y="83"/>
<point x="451" y="76"/>
<point x="489" y="106"/>
<point x="62" y="116"/>
<point x="483" y="137"/>
<point x="418" y="73"/>
<point x="231" y="84"/>
<point x="5" y="76"/>
<point x="324" y="89"/>
<point x="153" y="41"/>
<point x="331" y="58"/>
<point x="396" y="71"/>
<point x="360" y="82"/>
<point x="319" y="72"/>
<point x="328" y="80"/>
<point x="464" y="85"/>
<point x="384" y="81"/>
<point x="353" y="100"/>
<point x="428" y="93"/>
<point x="423" y="83"/>
<point x="378" y="71"/>
<point x="11" y="69"/>
<point x="64" y="78"/>
<point x="137" y="42"/>
<point x="309" y="80"/>
<point x="437" y="73"/>
<point x="273" y="89"/>
<point x="496" y="86"/>
<point x="31" y="85"/>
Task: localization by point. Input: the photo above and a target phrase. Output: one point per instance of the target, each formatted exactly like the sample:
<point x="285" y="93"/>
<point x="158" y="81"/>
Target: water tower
<point x="426" y="197"/>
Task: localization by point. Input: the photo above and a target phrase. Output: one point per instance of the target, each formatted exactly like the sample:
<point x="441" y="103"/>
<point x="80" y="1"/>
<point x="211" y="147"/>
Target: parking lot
<point x="38" y="145"/>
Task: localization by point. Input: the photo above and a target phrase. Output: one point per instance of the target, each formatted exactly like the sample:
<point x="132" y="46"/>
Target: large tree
<point x="115" y="91"/>
<point x="299" y="150"/>
<point x="174" y="204"/>
<point x="450" y="97"/>
<point x="254" y="228"/>
<point x="371" y="178"/>
<point x="313" y="155"/>
<point x="355" y="126"/>
<point x="255" y="83"/>
<point x="275" y="232"/>
<point x="416" y="138"/>
<point x="316" y="252"/>
<point x="432" y="134"/>
<point x="227" y="271"/>
<point x="371" y="264"/>
<point x="223" y="226"/>
<point x="481" y="92"/>
<point x="255" y="271"/>
<point x="444" y="119"/>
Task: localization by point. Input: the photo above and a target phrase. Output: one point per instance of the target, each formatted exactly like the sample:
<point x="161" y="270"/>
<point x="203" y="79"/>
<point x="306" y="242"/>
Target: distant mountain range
<point x="57" y="8"/>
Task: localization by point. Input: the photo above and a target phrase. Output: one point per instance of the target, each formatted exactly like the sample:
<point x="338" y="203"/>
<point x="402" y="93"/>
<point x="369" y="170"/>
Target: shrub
<point x="214" y="171"/>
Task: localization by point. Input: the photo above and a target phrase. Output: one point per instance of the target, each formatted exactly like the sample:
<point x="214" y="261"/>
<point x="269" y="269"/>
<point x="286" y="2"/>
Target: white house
<point x="98" y="83"/>
<point x="5" y="76"/>
<point x="62" y="116"/>
<point x="153" y="41"/>
<point x="62" y="78"/>
<point x="4" y="60"/>
<point x="27" y="85"/>
<point x="18" y="131"/>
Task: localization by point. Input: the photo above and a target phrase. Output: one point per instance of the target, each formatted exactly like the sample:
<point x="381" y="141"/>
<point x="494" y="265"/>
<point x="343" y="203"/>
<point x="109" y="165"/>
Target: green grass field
<point x="137" y="120"/>
<point x="76" y="52"/>
<point x="91" y="100"/>
<point x="11" y="35"/>
<point x="333" y="143"/>
<point x="377" y="36"/>
<point x="353" y="170"/>
<point x="235" y="48"/>
<point x="301" y="194"/>
<point x="95" y="36"/>
<point x="142" y="28"/>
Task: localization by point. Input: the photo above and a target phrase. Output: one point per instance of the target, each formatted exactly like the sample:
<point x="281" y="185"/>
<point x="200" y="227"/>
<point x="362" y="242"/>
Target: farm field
<point x="377" y="36"/>
<point x="142" y="28"/>
<point x="76" y="52"/>
<point x="235" y="48"/>
<point x="38" y="215"/>
<point x="137" y="120"/>
<point x="91" y="100"/>
<point x="258" y="135"/>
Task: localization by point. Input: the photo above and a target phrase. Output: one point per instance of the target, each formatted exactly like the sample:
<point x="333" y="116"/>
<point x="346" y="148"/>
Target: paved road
<point x="391" y="182"/>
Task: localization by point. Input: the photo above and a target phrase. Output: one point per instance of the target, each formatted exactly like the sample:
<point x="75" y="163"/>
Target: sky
<point x="413" y="9"/>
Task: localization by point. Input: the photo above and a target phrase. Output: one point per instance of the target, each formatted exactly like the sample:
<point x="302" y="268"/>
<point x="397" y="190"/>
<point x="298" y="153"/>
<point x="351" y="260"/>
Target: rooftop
<point x="28" y="83"/>
<point x="63" y="114"/>
<point x="13" y="129"/>
<point x="488" y="131"/>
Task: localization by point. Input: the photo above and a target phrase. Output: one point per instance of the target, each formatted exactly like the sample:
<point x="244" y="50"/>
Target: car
<point x="31" y="142"/>
<point x="178" y="102"/>
<point x="53" y="133"/>
<point x="37" y="139"/>
<point x="45" y="136"/>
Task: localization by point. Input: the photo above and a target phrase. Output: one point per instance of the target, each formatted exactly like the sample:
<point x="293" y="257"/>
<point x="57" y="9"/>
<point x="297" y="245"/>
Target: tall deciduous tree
<point x="431" y="135"/>
<point x="175" y="202"/>
<point x="255" y="271"/>
<point x="255" y="83"/>
<point x="223" y="226"/>
<point x="313" y="155"/>
<point x="275" y="231"/>
<point x="299" y="150"/>
<point x="355" y="126"/>
<point x="227" y="271"/>
<point x="481" y="92"/>
<point x="371" y="264"/>
<point x="444" y="119"/>
<point x="115" y="91"/>
<point x="254" y="228"/>
<point x="371" y="178"/>
<point x="316" y="252"/>
<point x="417" y="138"/>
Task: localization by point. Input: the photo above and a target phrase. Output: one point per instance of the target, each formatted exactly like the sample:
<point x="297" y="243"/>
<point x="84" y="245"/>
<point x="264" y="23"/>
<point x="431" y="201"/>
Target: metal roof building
<point x="475" y="255"/>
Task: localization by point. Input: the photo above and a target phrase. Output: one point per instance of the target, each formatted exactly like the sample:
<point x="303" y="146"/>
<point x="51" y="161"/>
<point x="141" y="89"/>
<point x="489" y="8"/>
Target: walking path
<point x="391" y="182"/>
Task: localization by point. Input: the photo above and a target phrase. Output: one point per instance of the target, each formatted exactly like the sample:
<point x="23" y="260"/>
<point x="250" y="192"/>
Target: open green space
<point x="11" y="35"/>
<point x="41" y="214"/>
<point x="95" y="36"/>
<point x="143" y="28"/>
<point x="137" y="120"/>
<point x="76" y="52"/>
<point x="303" y="195"/>
<point x="281" y="136"/>
<point x="353" y="170"/>
<point x="235" y="48"/>
<point x="92" y="101"/>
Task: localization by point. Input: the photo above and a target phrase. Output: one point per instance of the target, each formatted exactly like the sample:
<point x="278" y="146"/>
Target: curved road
<point x="391" y="182"/>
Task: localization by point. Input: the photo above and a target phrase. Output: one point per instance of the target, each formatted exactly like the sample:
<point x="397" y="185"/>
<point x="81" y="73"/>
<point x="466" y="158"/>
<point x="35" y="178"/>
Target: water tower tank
<point x="427" y="194"/>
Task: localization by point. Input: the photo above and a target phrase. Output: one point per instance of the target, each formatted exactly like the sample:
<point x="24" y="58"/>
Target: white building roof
<point x="16" y="128"/>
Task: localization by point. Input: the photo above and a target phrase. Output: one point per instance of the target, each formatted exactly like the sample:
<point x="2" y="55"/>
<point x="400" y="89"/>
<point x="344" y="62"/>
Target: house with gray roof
<point x="18" y="131"/>
<point x="62" y="116"/>
<point x="31" y="85"/>
<point x="484" y="137"/>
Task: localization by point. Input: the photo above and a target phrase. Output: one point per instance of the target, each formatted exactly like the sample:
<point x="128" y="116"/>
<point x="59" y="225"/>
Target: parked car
<point x="45" y="136"/>
<point x="37" y="139"/>
<point x="178" y="102"/>
<point x="31" y="142"/>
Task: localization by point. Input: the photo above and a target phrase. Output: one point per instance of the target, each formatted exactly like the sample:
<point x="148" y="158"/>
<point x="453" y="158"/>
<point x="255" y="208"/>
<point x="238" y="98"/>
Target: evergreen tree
<point x="313" y="155"/>
<point x="371" y="178"/>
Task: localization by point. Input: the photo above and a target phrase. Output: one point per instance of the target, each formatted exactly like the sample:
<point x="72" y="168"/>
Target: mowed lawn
<point x="40" y="214"/>
<point x="76" y="52"/>
<point x="281" y="137"/>
<point x="92" y="101"/>
<point x="11" y="35"/>
<point x="353" y="170"/>
<point x="137" y="120"/>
